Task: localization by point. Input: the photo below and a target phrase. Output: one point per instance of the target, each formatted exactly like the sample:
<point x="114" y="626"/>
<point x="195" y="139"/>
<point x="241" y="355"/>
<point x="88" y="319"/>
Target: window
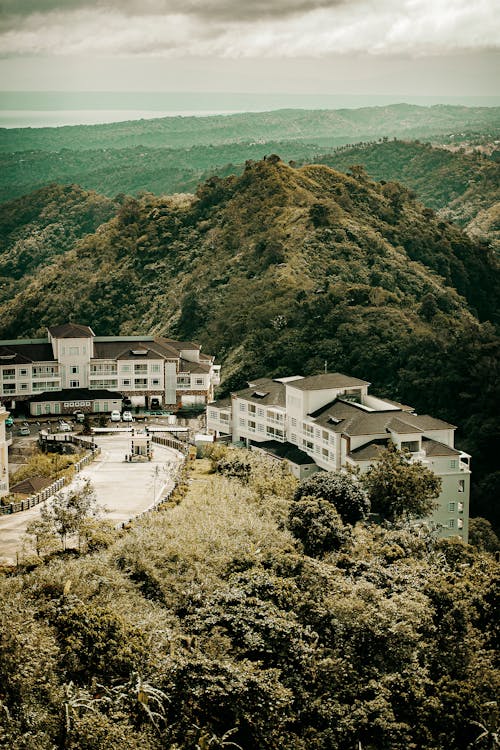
<point x="451" y="523"/>
<point x="294" y="422"/>
<point x="155" y="381"/>
<point x="199" y="381"/>
<point x="293" y="438"/>
<point x="140" y="368"/>
<point x="126" y="381"/>
<point x="241" y="422"/>
<point x="24" y="386"/>
<point x="213" y="414"/>
<point x="451" y="506"/>
<point x="460" y="507"/>
<point x="260" y="412"/>
<point x="251" y="408"/>
<point x="453" y="464"/>
<point x="243" y="406"/>
<point x="251" y="426"/>
<point x="74" y="369"/>
<point x="74" y="383"/>
<point x="9" y="373"/>
<point x="410" y="445"/>
<point x="460" y="523"/>
<point x="260" y="428"/>
<point x="141" y="382"/>
<point x="125" y="368"/>
<point x="324" y="452"/>
<point x="461" y="485"/>
<point x="155" y="368"/>
<point x="23" y="372"/>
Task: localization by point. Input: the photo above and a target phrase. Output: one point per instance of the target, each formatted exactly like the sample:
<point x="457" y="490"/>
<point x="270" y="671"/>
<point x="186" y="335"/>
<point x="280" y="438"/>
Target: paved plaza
<point x="125" y="489"/>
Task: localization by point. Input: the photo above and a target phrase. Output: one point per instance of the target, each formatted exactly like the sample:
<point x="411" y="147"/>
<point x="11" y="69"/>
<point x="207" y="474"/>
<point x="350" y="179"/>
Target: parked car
<point x="115" y="416"/>
<point x="155" y="404"/>
<point x="127" y="416"/>
<point x="64" y="426"/>
<point x="79" y="416"/>
<point x="25" y="429"/>
<point x="9" y="422"/>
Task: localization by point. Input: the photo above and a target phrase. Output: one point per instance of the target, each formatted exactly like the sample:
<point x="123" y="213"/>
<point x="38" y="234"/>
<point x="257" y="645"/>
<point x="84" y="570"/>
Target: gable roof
<point x="71" y="331"/>
<point x="21" y="354"/>
<point x="31" y="485"/>
<point x="264" y="391"/>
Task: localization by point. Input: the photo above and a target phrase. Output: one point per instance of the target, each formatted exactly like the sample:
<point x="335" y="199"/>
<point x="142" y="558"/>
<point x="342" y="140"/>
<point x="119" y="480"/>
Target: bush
<point x="317" y="524"/>
<point x="340" y="490"/>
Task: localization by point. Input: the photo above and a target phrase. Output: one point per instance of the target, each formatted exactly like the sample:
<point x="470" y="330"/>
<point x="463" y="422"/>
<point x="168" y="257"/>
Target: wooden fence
<point x="40" y="497"/>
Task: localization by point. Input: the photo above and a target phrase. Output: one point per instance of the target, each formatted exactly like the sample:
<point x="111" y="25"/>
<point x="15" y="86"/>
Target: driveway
<point x="125" y="489"/>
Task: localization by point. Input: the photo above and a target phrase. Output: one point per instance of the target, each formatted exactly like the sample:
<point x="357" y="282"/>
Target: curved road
<point x="125" y="489"/>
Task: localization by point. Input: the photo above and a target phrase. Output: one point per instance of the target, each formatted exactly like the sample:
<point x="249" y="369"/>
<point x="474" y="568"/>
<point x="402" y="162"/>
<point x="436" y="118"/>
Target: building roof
<point x="71" y="331"/>
<point x="284" y="450"/>
<point x="326" y="380"/>
<point x="434" y="448"/>
<point x="200" y="368"/>
<point x="264" y="391"/>
<point x="369" y="451"/>
<point x="349" y="418"/>
<point x="21" y="354"/>
<point x="31" y="486"/>
<point x="123" y="349"/>
<point x="222" y="403"/>
<point x="76" y="394"/>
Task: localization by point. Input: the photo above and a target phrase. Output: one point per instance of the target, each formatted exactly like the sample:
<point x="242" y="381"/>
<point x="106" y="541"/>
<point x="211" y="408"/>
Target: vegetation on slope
<point x="328" y="127"/>
<point x="464" y="188"/>
<point x="37" y="228"/>
<point x="207" y="626"/>
<point x="282" y="269"/>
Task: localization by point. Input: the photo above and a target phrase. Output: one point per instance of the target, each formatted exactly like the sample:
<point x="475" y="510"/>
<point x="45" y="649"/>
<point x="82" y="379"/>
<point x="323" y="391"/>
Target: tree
<point x="344" y="492"/>
<point x="70" y="511"/>
<point x="482" y="535"/>
<point x="317" y="524"/>
<point x="398" y="487"/>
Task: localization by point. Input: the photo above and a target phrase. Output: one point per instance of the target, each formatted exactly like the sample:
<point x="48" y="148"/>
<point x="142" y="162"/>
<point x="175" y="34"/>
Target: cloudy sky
<point x="330" y="46"/>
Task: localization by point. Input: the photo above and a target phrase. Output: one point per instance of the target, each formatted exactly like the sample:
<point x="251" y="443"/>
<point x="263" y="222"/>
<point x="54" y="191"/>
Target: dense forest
<point x="210" y="624"/>
<point x="275" y="272"/>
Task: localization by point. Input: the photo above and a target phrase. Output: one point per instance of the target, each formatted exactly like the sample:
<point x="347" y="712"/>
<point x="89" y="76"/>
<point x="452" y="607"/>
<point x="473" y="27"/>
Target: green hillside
<point x="325" y="127"/>
<point x="207" y="626"/>
<point x="281" y="269"/>
<point x="464" y="188"/>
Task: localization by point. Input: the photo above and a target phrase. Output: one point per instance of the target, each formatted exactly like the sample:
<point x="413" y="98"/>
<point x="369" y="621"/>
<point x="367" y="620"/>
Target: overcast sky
<point x="340" y="46"/>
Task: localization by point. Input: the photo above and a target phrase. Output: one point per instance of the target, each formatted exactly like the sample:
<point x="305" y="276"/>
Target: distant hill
<point x="325" y="127"/>
<point x="281" y="269"/>
<point x="463" y="187"/>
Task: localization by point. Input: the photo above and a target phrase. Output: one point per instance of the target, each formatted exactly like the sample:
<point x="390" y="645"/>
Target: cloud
<point x="239" y="29"/>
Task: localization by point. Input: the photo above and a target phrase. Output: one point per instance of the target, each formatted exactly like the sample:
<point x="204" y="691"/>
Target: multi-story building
<point x="4" y="462"/>
<point x="334" y="422"/>
<point x="73" y="367"/>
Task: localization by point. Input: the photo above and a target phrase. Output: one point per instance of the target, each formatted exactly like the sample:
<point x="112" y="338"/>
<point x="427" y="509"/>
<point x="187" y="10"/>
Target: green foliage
<point x="482" y="536"/>
<point x="400" y="488"/>
<point x="342" y="491"/>
<point x="317" y="524"/>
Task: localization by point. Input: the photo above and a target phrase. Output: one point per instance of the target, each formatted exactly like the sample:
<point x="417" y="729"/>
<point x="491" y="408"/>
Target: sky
<point x="386" y="47"/>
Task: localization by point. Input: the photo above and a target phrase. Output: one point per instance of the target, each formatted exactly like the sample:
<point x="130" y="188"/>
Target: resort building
<point x="4" y="462"/>
<point x="75" y="369"/>
<point x="330" y="421"/>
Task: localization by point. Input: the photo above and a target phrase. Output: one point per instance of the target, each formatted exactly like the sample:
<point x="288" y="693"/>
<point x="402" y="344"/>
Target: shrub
<point x="317" y="524"/>
<point x="340" y="490"/>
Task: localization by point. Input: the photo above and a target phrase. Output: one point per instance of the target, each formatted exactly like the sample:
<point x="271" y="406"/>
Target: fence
<point x="171" y="442"/>
<point x="40" y="497"/>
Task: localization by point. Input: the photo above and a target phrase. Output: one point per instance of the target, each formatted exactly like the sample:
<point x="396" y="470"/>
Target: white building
<point x="332" y="421"/>
<point x="4" y="459"/>
<point x="73" y="367"/>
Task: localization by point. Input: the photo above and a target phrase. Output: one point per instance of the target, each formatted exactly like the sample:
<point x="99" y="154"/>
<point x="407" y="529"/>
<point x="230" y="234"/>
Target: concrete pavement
<point x="125" y="489"/>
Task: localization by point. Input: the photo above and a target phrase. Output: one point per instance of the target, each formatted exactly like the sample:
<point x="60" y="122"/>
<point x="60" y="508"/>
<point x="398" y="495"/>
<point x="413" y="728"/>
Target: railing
<point x="40" y="497"/>
<point x="170" y="442"/>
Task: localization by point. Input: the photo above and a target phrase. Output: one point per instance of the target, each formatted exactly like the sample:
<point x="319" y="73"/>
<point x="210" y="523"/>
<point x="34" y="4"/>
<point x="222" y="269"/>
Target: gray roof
<point x="76" y="394"/>
<point x="26" y="353"/>
<point x="71" y="331"/>
<point x="196" y="368"/>
<point x="369" y="451"/>
<point x="348" y="418"/>
<point x="264" y="391"/>
<point x="122" y="349"/>
<point x="222" y="403"/>
<point x="284" y="450"/>
<point x="326" y="380"/>
<point x="433" y="448"/>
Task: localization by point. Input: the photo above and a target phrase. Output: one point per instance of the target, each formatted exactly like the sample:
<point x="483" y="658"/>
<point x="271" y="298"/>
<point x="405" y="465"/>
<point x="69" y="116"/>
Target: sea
<point x="38" y="109"/>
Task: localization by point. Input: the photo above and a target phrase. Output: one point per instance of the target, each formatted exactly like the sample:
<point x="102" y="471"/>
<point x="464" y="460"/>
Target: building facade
<point x="74" y="368"/>
<point x="4" y="459"/>
<point x="334" y="421"/>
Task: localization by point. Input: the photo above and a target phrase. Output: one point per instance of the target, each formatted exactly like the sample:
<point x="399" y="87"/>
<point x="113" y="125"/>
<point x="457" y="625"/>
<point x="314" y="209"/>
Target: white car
<point x="64" y="426"/>
<point x="127" y="416"/>
<point x="115" y="416"/>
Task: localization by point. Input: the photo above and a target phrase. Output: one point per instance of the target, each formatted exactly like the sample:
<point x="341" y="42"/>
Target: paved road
<point x="125" y="489"/>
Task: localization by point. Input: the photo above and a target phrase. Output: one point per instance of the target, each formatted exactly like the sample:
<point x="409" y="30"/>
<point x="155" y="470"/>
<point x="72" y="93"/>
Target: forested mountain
<point x="326" y="127"/>
<point x="464" y="188"/>
<point x="281" y="269"/>
<point x="206" y="625"/>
